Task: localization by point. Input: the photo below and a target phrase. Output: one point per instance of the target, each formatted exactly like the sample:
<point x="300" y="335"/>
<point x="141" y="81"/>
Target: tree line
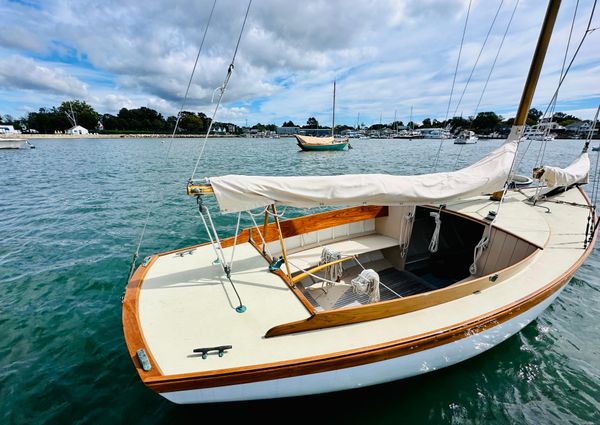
<point x="58" y="119"/>
<point x="147" y="120"/>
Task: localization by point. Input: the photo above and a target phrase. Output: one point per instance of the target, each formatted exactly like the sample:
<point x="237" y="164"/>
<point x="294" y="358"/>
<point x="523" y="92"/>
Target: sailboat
<point x="410" y="132"/>
<point x="466" y="137"/>
<point x="331" y="143"/>
<point x="406" y="275"/>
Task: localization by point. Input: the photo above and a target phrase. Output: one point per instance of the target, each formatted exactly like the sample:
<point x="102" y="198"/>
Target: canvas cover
<point x="577" y="172"/>
<point x="317" y="141"/>
<point x="240" y="192"/>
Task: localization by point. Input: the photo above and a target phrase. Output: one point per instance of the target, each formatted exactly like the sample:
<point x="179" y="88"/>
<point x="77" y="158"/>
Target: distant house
<point x="8" y="129"/>
<point x="77" y="130"/>
<point x="580" y="127"/>
<point x="287" y="130"/>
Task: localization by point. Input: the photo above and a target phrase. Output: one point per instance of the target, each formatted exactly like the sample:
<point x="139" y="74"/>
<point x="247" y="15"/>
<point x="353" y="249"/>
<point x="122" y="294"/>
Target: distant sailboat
<point x="308" y="143"/>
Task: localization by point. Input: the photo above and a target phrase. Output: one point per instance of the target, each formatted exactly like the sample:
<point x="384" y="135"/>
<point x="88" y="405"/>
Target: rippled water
<point x="71" y="212"/>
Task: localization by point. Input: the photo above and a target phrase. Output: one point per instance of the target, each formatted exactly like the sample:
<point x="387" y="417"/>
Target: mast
<point x="333" y="116"/>
<point x="536" y="63"/>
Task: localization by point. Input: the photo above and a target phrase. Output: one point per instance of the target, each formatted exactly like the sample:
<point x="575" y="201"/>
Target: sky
<point x="388" y="58"/>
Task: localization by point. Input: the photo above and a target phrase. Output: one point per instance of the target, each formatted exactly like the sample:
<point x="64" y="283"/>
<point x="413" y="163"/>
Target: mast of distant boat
<point x="333" y="114"/>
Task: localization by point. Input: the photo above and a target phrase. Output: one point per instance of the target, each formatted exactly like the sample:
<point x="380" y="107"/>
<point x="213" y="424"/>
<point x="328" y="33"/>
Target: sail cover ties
<point x="236" y="193"/>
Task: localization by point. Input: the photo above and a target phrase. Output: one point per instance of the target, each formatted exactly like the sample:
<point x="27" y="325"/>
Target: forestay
<point x="239" y="192"/>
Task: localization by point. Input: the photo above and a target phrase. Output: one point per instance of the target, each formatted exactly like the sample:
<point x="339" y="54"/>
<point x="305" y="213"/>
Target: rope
<point x="453" y="81"/>
<point x="433" y="245"/>
<point x="479" y="248"/>
<point x="222" y="92"/>
<point x="335" y="271"/>
<point x="380" y="282"/>
<point x="237" y="229"/>
<point x="167" y="155"/>
<point x="367" y="282"/>
<point x="404" y="233"/>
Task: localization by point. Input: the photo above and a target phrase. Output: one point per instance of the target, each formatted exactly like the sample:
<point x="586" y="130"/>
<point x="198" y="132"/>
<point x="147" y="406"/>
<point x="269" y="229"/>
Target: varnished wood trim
<point x="309" y="307"/>
<point x="366" y="355"/>
<point x="310" y="223"/>
<point x="307" y="273"/>
<point x="132" y="330"/>
<point x="384" y="309"/>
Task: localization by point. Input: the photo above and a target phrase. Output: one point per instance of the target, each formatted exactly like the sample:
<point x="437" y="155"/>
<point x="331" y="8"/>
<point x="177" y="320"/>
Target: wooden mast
<point x="532" y="79"/>
<point x="537" y="62"/>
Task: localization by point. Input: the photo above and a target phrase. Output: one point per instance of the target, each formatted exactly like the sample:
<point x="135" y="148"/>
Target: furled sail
<point x="577" y="172"/>
<point x="239" y="192"/>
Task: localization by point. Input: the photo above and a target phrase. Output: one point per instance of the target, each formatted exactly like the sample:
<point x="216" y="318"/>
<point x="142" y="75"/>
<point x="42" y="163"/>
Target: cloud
<point x="388" y="56"/>
<point x="23" y="73"/>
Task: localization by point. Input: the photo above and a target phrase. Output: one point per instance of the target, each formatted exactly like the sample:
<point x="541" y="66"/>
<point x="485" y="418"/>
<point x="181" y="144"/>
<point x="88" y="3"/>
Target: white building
<point x="77" y="130"/>
<point x="8" y="129"/>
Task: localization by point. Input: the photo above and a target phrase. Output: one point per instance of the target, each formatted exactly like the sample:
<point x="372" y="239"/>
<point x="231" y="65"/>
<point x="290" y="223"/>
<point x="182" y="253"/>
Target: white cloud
<point x="24" y="73"/>
<point x="388" y="55"/>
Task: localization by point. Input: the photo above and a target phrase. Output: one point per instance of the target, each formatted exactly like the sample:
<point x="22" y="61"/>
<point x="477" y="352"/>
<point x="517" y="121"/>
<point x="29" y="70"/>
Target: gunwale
<point x="156" y="380"/>
<point x="370" y="354"/>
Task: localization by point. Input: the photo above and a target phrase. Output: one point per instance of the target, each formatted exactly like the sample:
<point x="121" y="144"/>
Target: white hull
<point x="12" y="143"/>
<point x="370" y="374"/>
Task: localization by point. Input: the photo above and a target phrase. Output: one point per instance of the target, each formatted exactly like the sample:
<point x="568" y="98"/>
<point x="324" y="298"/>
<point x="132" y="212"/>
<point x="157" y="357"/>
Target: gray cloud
<point x="23" y="73"/>
<point x="388" y="55"/>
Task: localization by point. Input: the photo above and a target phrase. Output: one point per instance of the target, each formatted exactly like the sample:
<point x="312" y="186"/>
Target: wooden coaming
<point x="383" y="309"/>
<point x="366" y="355"/>
<point x="314" y="222"/>
<point x="155" y="380"/>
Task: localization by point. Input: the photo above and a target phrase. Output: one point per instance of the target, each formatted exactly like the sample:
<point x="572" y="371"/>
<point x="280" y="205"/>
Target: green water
<point x="71" y="212"/>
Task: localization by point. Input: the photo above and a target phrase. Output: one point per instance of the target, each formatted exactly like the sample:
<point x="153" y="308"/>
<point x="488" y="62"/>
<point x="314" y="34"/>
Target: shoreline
<point x="112" y="136"/>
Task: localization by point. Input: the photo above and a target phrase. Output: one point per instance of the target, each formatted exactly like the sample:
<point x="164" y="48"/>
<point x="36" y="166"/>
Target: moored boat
<point x="408" y="274"/>
<point x="308" y="143"/>
<point x="12" y="143"/>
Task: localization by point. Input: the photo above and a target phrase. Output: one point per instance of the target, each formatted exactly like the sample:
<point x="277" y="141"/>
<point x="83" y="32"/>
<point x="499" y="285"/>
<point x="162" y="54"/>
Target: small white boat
<point x="12" y="143"/>
<point x="467" y="137"/>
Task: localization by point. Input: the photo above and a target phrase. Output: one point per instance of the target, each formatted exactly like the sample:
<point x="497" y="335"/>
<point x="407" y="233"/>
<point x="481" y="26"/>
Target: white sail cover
<point x="239" y="192"/>
<point x="577" y="172"/>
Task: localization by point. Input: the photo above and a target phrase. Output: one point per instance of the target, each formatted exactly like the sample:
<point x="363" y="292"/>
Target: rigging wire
<point x="462" y="40"/>
<point x="562" y="72"/>
<point x="166" y="157"/>
<point x="497" y="54"/>
<point x="596" y="183"/>
<point x="222" y="89"/>
<point x="490" y="73"/>
<point x="478" y="57"/>
<point x="588" y="31"/>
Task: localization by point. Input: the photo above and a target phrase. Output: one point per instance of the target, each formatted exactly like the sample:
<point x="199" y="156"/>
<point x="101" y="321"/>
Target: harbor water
<point x="71" y="215"/>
